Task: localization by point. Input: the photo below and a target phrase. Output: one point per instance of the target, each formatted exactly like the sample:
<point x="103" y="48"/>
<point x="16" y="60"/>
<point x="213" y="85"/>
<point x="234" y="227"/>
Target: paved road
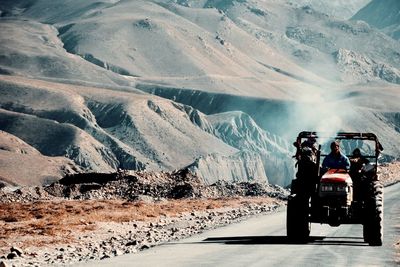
<point x="261" y="241"/>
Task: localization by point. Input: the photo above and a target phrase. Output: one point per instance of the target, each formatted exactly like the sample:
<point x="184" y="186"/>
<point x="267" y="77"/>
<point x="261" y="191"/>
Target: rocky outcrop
<point x="141" y="185"/>
<point x="240" y="167"/>
<point x="239" y="130"/>
<point x="311" y="38"/>
<point x="360" y="68"/>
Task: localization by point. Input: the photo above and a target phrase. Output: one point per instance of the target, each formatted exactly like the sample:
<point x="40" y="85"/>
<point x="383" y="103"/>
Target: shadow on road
<point x="283" y="240"/>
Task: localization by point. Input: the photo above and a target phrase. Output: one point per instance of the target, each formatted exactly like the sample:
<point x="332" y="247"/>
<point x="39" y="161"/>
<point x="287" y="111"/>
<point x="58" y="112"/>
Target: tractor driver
<point x="336" y="159"/>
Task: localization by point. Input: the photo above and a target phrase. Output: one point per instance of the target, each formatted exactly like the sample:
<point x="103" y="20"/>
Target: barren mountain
<point x="34" y="49"/>
<point x="21" y="164"/>
<point x="384" y="14"/>
<point x="235" y="81"/>
<point x="103" y="129"/>
<point x="341" y="9"/>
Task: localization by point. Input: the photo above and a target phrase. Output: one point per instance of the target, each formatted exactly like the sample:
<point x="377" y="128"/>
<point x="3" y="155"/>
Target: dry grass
<point x="51" y="222"/>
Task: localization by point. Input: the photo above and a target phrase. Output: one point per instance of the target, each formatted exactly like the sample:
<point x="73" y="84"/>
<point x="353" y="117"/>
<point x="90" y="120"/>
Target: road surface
<point x="261" y="241"/>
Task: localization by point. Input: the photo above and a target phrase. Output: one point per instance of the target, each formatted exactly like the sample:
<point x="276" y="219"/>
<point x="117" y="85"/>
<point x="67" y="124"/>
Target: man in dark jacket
<point x="357" y="162"/>
<point x="336" y="159"/>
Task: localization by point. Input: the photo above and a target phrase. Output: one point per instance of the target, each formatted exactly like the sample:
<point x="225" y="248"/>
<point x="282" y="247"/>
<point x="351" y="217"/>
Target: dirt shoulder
<point x="97" y="216"/>
<point x="66" y="231"/>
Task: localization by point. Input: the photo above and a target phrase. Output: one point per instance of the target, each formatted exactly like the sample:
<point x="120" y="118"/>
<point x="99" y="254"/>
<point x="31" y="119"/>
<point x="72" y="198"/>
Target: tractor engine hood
<point x="336" y="187"/>
<point x="334" y="176"/>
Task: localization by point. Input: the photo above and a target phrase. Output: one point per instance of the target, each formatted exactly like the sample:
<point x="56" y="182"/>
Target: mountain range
<point x="384" y="15"/>
<point x="221" y="87"/>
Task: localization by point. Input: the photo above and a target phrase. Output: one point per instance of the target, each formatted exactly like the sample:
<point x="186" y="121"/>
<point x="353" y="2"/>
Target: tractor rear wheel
<point x="297" y="224"/>
<point x="373" y="227"/>
<point x="366" y="231"/>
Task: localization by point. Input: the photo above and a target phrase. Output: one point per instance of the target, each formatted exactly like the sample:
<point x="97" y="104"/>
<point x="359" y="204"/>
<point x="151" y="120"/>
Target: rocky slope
<point x="239" y="130"/>
<point x="33" y="49"/>
<point x="21" y="164"/>
<point x="101" y="129"/>
<point x="358" y="67"/>
<point x="340" y="9"/>
<point x="243" y="166"/>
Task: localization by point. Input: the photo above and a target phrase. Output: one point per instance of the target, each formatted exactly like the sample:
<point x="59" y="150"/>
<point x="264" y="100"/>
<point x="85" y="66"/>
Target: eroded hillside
<point x="235" y="82"/>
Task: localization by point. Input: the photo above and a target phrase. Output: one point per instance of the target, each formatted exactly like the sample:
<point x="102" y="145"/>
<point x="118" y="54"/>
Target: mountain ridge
<point x="159" y="85"/>
<point x="384" y="15"/>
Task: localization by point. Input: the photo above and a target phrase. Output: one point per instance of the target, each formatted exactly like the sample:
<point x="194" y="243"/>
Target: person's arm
<point x="364" y="160"/>
<point x="346" y="162"/>
<point x="326" y="164"/>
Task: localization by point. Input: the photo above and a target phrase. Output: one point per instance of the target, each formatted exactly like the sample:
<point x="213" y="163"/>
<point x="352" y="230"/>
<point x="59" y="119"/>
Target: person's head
<point x="312" y="140"/>
<point x="356" y="152"/>
<point x="335" y="148"/>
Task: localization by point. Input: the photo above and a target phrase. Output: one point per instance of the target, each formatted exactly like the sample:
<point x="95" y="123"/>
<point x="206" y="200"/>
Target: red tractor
<point x="336" y="196"/>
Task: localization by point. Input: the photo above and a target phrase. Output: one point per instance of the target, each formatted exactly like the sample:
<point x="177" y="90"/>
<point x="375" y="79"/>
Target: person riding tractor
<point x="336" y="159"/>
<point x="340" y="191"/>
